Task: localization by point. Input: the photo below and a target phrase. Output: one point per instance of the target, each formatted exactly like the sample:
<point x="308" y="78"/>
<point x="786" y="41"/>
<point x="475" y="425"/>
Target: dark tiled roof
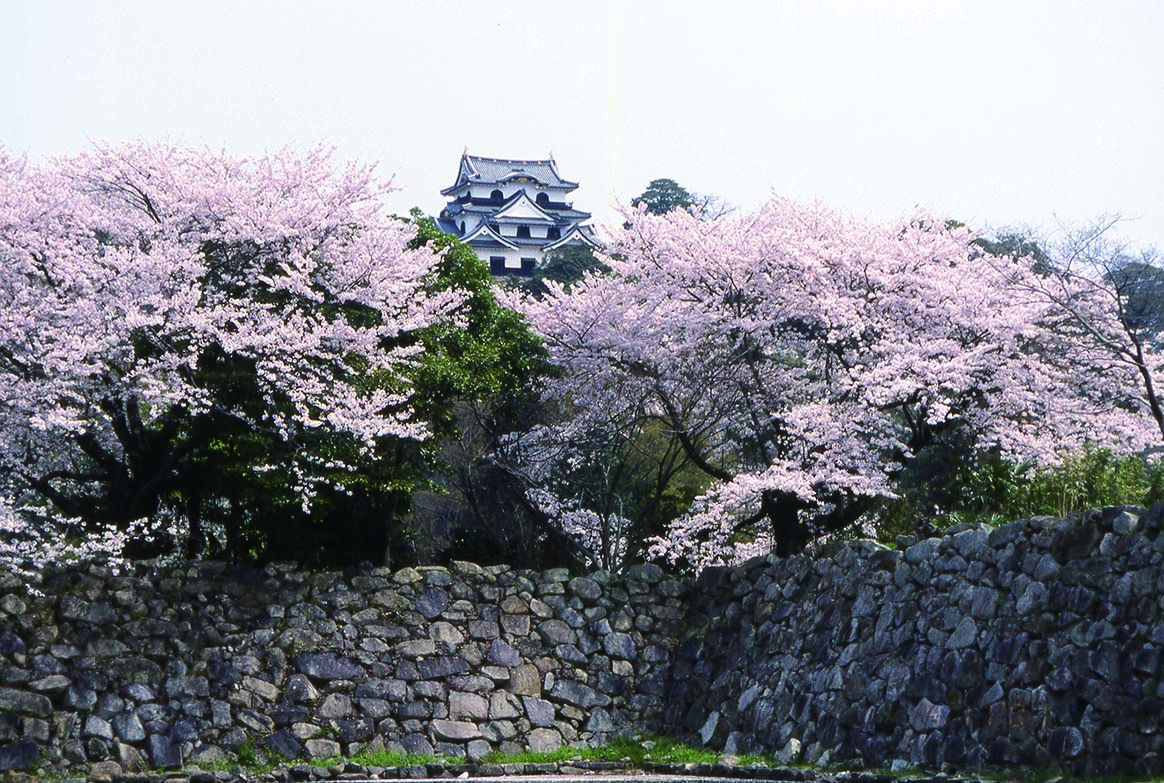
<point x="498" y="169"/>
<point x="448" y="226"/>
<point x="475" y="168"/>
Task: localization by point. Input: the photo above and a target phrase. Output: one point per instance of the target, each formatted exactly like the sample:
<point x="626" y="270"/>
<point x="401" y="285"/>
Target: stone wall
<point x="1037" y="643"/>
<point x="180" y="666"/>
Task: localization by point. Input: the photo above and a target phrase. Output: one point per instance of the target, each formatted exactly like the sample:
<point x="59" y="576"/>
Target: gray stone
<point x="446" y="633"/>
<point x="326" y="666"/>
<point x="586" y="589"/>
<point x="11" y="604"/>
<point x="19" y="755"/>
<point x="1065" y="742"/>
<point x="416" y="648"/>
<point x="334" y="706"/>
<point x="555" y="632"/>
<point x="964" y="635"/>
<point x="922" y="552"/>
<point x="129" y="757"/>
<point x="261" y="688"/>
<point x="525" y="681"/>
<point x="503" y="706"/>
<point x="389" y="690"/>
<point x="484" y="629"/>
<point x="455" y="731"/>
<point x="106" y="648"/>
<point x="1125" y="522"/>
<point x="54" y="684"/>
<point x="600" y="722"/>
<point x="713" y="729"/>
<point x="544" y="740"/>
<point x="23" y="703"/>
<point x="516" y="625"/>
<point x="927" y="716"/>
<point x="578" y="694"/>
<point x="300" y="689"/>
<point x="322" y="748"/>
<point x="96" y="726"/>
<point x="439" y="668"/>
<point x="469" y="706"/>
<point x="283" y="745"/>
<point x="620" y="645"/>
<point x="255" y="721"/>
<point x="164" y="753"/>
<point x="539" y="711"/>
<point x="1033" y="599"/>
<point x="128" y="727"/>
<point x="971" y="543"/>
<point x="501" y="653"/>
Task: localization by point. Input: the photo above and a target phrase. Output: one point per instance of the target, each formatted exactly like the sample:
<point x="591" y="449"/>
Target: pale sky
<point x="993" y="112"/>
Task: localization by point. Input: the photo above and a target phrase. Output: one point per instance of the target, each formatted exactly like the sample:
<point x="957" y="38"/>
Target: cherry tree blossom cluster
<point x="147" y="292"/>
<point x="799" y="358"/>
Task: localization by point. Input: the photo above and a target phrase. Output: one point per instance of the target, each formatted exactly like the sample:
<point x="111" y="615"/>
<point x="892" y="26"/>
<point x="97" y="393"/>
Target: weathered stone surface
<point x="282" y="744"/>
<point x="467" y="706"/>
<point x="501" y="653"/>
<point x="128" y="727"/>
<point x="25" y="703"/>
<point x="438" y="668"/>
<point x="964" y="635"/>
<point x="1038" y="643"/>
<point x="525" y="680"/>
<point x="544" y="740"/>
<point x="164" y="753"/>
<point x="927" y="716"/>
<point x="321" y="748"/>
<point x="327" y="666"/>
<point x="578" y="694"/>
<point x="555" y="632"/>
<point x="20" y="755"/>
<point x="620" y="645"/>
<point x="432" y="602"/>
<point x="455" y="731"/>
<point x="334" y="705"/>
<point x="539" y="711"/>
<point x="1065" y="742"/>
<point x="586" y="589"/>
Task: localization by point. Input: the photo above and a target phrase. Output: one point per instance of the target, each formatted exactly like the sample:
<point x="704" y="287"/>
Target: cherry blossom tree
<point x="161" y="305"/>
<point x="1108" y="303"/>
<point x="801" y="358"/>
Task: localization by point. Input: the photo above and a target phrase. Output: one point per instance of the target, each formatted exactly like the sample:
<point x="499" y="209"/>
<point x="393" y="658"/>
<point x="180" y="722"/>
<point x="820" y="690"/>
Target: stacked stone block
<point x="184" y="665"/>
<point x="1034" y="644"/>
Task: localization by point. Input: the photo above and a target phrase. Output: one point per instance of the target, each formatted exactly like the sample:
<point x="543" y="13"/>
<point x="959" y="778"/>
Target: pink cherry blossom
<point x="802" y="357"/>
<point x="127" y="274"/>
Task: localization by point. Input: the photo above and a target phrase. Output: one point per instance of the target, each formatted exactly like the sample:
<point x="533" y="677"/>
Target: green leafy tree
<point x="663" y="196"/>
<point x="482" y="382"/>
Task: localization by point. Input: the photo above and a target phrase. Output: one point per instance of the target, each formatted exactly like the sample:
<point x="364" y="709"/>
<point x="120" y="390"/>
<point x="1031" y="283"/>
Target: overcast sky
<point x="996" y="113"/>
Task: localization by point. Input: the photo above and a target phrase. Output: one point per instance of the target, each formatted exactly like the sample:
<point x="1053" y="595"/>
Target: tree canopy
<point x="800" y="359"/>
<point x="207" y="342"/>
<point x="662" y="196"/>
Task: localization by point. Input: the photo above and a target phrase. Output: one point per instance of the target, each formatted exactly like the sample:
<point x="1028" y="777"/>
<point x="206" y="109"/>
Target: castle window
<point x="497" y="265"/>
<point x="523" y="232"/>
<point x="527" y="266"/>
<point x="462" y="227"/>
<point x="495" y="195"/>
<point x="553" y="232"/>
<point x="543" y="199"/>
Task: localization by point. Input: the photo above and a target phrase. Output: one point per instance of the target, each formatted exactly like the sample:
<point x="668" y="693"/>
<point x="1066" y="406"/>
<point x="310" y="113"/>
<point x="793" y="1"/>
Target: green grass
<point x="634" y="752"/>
<point x="658" y="750"/>
<point x="391" y="758"/>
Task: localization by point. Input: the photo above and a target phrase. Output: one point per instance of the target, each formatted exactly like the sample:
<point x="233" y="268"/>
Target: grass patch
<point x="657" y="750"/>
<point x="391" y="758"/>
